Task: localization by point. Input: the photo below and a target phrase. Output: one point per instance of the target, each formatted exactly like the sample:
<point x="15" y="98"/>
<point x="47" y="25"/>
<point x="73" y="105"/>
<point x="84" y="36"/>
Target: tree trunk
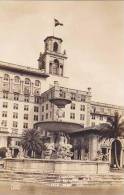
<point x="116" y="158"/>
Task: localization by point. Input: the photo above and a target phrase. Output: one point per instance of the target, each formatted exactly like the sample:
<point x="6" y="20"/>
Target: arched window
<point x="37" y="83"/>
<point x="61" y="70"/>
<point x="46" y="46"/>
<point x="16" y="79"/>
<point x="50" y="68"/>
<point x="55" y="47"/>
<point x="27" y="81"/>
<point x="56" y="67"/>
<point x="26" y="91"/>
<point x="6" y="77"/>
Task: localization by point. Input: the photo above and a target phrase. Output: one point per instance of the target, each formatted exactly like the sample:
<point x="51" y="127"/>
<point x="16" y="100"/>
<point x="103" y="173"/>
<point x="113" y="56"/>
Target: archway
<point x="55" y="47"/>
<point x="119" y="148"/>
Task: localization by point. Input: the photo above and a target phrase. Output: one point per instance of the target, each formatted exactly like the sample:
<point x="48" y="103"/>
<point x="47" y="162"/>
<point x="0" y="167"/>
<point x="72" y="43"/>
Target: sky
<point x="93" y="36"/>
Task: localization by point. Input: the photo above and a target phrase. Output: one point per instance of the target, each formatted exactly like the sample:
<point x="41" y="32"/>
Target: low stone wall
<point x="57" y="166"/>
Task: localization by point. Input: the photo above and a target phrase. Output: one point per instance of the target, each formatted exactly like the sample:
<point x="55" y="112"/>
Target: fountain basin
<point x="56" y="166"/>
<point x="56" y="126"/>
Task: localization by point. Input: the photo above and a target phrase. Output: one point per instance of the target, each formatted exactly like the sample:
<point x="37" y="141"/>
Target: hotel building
<point x="25" y="94"/>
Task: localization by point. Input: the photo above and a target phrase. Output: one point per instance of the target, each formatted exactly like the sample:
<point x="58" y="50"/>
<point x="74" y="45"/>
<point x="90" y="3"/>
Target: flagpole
<point x="53" y="26"/>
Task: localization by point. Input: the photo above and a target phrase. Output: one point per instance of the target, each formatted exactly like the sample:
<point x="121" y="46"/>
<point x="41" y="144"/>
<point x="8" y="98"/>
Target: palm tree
<point x="113" y="129"/>
<point x="32" y="142"/>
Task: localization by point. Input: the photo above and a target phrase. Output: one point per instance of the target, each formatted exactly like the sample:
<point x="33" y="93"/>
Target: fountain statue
<point x="49" y="148"/>
<point x="20" y="153"/>
<point x="8" y="153"/>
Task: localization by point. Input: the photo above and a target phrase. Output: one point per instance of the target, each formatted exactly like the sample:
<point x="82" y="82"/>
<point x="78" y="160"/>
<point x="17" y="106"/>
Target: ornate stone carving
<point x="60" y="113"/>
<point x="99" y="155"/>
<point x="20" y="153"/>
<point x="64" y="151"/>
<point x="106" y="142"/>
<point x="49" y="148"/>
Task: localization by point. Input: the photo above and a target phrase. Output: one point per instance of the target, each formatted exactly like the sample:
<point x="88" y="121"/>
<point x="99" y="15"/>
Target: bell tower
<point x="52" y="60"/>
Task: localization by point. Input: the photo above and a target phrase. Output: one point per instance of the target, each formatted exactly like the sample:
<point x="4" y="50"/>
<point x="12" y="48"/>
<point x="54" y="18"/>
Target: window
<point x="93" y="116"/>
<point x="61" y="70"/>
<point x="4" y="123"/>
<point x="26" y="107"/>
<point x="37" y="83"/>
<point x="37" y="99"/>
<point x="4" y="114"/>
<point x="82" y="108"/>
<point x="15" y="115"/>
<point x="15" y="124"/>
<point x="101" y="118"/>
<point x="35" y="117"/>
<point x="46" y="115"/>
<point x="5" y="104"/>
<point x="55" y="47"/>
<point x="16" y="97"/>
<point x="72" y="115"/>
<point x="63" y="114"/>
<point x="26" y="116"/>
<point x="50" y="68"/>
<point x="82" y="117"/>
<point x="42" y="108"/>
<point x="27" y="81"/>
<point x="73" y="96"/>
<point x="94" y="109"/>
<point x="46" y="106"/>
<point x="6" y="77"/>
<point x="17" y="143"/>
<point x="5" y="95"/>
<point x="25" y="125"/>
<point x="26" y="98"/>
<point x="15" y="106"/>
<point x="46" y="46"/>
<point x="56" y="67"/>
<point x="83" y="98"/>
<point x="26" y="91"/>
<point x="93" y="124"/>
<point x="73" y="106"/>
<point x="16" y="79"/>
<point x="36" y="109"/>
<point x="42" y="118"/>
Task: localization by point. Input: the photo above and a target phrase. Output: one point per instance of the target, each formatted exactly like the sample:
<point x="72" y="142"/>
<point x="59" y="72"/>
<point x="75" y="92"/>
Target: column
<point x="22" y="87"/>
<point x="93" y="147"/>
<point x="109" y="155"/>
<point x="32" y="89"/>
<point x="121" y="158"/>
<point x="10" y="86"/>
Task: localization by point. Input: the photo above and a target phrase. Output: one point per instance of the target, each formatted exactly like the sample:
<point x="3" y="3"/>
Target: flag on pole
<point x="57" y="23"/>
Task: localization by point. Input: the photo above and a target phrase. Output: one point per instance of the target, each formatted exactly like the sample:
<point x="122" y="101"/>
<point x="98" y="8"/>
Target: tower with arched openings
<point x="52" y="61"/>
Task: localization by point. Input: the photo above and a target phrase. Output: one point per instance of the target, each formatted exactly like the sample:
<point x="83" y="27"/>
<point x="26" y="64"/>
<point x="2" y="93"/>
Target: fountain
<point x="57" y="152"/>
<point x="61" y="148"/>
